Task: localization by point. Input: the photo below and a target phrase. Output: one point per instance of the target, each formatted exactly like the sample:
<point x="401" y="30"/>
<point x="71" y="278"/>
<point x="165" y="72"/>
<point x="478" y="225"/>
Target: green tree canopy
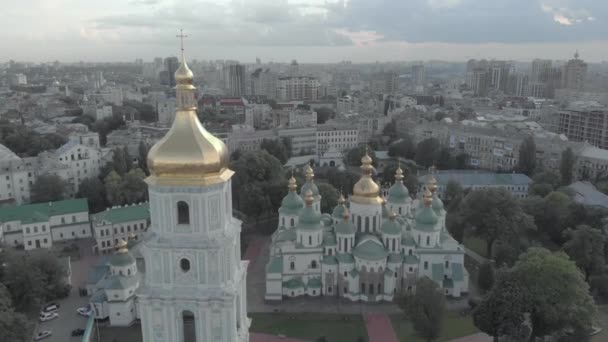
<point x="527" y="156"/>
<point x="142" y="160"/>
<point x="13" y="325"/>
<point x="114" y="191"/>
<point x="329" y="196"/>
<point x="276" y="148"/>
<point x="427" y="152"/>
<point x="425" y="309"/>
<point x="354" y="155"/>
<point x="404" y="148"/>
<point x="485" y="277"/>
<point x="48" y="188"/>
<point x="587" y="247"/>
<point x="566" y="166"/>
<point x="95" y="192"/>
<point x="324" y="114"/>
<point x="493" y="214"/>
<point x="135" y="190"/>
<point x="120" y="162"/>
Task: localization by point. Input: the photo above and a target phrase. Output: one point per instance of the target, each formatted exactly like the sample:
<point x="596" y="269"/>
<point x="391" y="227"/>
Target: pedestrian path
<point x="255" y="337"/>
<point x="254" y="249"/>
<point x="379" y="328"/>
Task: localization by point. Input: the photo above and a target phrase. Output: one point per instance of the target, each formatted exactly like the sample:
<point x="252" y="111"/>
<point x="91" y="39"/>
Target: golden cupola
<point x="366" y="191"/>
<point x="188" y="154"/>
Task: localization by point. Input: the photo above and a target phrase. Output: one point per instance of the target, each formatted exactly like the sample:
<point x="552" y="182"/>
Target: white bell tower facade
<point x="194" y="289"/>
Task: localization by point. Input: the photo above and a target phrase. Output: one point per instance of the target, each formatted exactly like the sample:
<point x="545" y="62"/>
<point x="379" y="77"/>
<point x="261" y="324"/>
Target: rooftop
<point x="41" y="212"/>
<point x="469" y="178"/>
<point x="123" y="214"/>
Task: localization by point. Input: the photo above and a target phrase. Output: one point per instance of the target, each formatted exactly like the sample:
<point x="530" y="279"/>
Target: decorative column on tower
<point x="195" y="282"/>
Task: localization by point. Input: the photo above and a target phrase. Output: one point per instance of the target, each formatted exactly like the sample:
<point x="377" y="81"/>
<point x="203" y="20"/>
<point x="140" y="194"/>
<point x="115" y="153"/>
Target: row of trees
<point x="26" y="142"/>
<point x="27" y="280"/>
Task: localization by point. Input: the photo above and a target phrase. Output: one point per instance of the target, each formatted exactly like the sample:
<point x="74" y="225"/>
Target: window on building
<point x="29" y="243"/>
<point x="35" y="229"/>
<point x="73" y="218"/>
<point x="426" y="265"/>
<point x="63" y="220"/>
<point x="27" y="230"/>
<point x="345" y="289"/>
<point x="359" y="223"/>
<point x="395" y="274"/>
<point x="183" y="213"/>
<point x="371" y="289"/>
<point x="313" y="264"/>
<point x="46" y="240"/>
<point x="73" y="234"/>
<point x="379" y="288"/>
<point x="366" y="224"/>
<point x="115" y="231"/>
<point x="329" y="289"/>
<point x="345" y="273"/>
<point x="428" y="240"/>
<point x="122" y="229"/>
<point x="447" y="264"/>
<point x="362" y="288"/>
<point x="184" y="264"/>
<point x="101" y="232"/>
<point x="128" y="229"/>
<point x="292" y="265"/>
<point x="282" y="221"/>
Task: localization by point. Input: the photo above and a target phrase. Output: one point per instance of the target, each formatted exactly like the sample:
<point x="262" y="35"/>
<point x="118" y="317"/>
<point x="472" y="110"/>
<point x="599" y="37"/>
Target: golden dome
<point x="399" y="174"/>
<point x="346" y="215"/>
<point x="188" y="154"/>
<point x="122" y="247"/>
<point x="293" y="184"/>
<point x="341" y="199"/>
<point x="366" y="191"/>
<point x="308" y="171"/>
<point x="427" y="198"/>
<point x="308" y="198"/>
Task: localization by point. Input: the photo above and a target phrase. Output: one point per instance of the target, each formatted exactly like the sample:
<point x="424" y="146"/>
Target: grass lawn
<point x="454" y="326"/>
<point x="476" y="245"/>
<point x="310" y="326"/>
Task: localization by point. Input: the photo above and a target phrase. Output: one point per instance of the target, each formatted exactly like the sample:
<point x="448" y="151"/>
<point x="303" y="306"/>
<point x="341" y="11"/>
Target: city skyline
<point x="311" y="31"/>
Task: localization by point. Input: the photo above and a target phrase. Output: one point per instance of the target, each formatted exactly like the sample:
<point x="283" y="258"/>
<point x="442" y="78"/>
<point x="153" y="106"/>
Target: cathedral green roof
<point x="370" y="248"/>
<point x="275" y="265"/>
<point x="408" y="240"/>
<point x="286" y="235"/>
<point x="294" y="283"/>
<point x="123" y="214"/>
<point x="457" y="272"/>
<point x="314" y="283"/>
<point x="329" y="260"/>
<point x="118" y="282"/>
<point x="426" y="219"/>
<point x="122" y="259"/>
<point x="329" y="239"/>
<point x="388" y="272"/>
<point x="391" y="227"/>
<point x="411" y="259"/>
<point x="99" y="297"/>
<point x="309" y="186"/>
<point x="394" y="257"/>
<point x="338" y="211"/>
<point x="345" y="227"/>
<point x="353" y="272"/>
<point x="309" y="219"/>
<point x="398" y="193"/>
<point x="437" y="271"/>
<point x="41" y="212"/>
<point x="291" y="204"/>
<point x="385" y="212"/>
<point x="345" y="258"/>
<point x="437" y="204"/>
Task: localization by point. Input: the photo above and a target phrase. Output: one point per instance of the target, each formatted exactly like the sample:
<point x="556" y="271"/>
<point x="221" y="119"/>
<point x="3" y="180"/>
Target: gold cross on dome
<point x="181" y="36"/>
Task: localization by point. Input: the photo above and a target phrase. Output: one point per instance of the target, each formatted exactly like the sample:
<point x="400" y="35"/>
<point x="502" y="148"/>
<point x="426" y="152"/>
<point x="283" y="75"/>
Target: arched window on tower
<point x="428" y="240"/>
<point x="366" y="224"/>
<point x="183" y="213"/>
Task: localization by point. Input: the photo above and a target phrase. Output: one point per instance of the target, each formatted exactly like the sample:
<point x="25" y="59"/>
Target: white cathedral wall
<point x="121" y="313"/>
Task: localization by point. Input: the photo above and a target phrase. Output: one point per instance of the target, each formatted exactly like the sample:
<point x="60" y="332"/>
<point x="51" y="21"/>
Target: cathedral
<point x="184" y="280"/>
<point x="368" y="249"/>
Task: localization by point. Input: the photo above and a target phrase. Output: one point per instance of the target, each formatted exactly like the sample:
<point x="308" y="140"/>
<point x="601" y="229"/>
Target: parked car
<point x="84" y="311"/>
<point x="77" y="332"/>
<point x="50" y="307"/>
<point x="42" y="335"/>
<point x="48" y="316"/>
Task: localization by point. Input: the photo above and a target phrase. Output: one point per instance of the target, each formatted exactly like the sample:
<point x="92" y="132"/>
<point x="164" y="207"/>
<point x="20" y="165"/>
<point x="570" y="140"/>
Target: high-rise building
<point x="385" y="83"/>
<point x="234" y="78"/>
<point x="479" y="81"/>
<point x="264" y="82"/>
<point x="540" y="70"/>
<point x="418" y="75"/>
<point x="171" y="64"/>
<point x="298" y="88"/>
<point x="574" y="74"/>
<point x="587" y="123"/>
<point x="294" y="68"/>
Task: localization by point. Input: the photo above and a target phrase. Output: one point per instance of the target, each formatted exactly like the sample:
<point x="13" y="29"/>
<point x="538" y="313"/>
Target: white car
<point x="48" y="316"/>
<point x="42" y="334"/>
<point x="52" y="307"/>
<point x="84" y="311"/>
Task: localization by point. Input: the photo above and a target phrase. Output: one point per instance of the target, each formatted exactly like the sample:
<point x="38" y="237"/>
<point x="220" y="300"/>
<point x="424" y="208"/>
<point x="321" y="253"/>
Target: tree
<point x="128" y="158"/>
<point x="329" y="196"/>
<point x="119" y="161"/>
<point x="47" y="188"/>
<point x="550" y="214"/>
<point x="13" y="325"/>
<point x="527" y="156"/>
<point x="501" y="312"/>
<point x="425" y="309"/>
<point x="390" y="130"/>
<point x="485" y="277"/>
<point x="324" y="114"/>
<point x="94" y="191"/>
<point x="114" y="190"/>
<point x="566" y="166"/>
<point x="134" y="189"/>
<point x="404" y="148"/>
<point x="453" y="192"/>
<point x="493" y="214"/>
<point x="587" y="247"/>
<point x="341" y="180"/>
<point x="427" y="152"/>
<point x="557" y="296"/>
<point x="276" y="148"/>
<point x="354" y="155"/>
<point x="142" y="160"/>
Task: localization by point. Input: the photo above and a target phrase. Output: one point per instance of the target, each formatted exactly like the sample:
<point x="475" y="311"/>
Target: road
<point x="68" y="319"/>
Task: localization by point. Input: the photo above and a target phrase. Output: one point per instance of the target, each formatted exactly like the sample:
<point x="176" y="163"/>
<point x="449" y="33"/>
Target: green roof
<point x="426" y="219"/>
<point x="99" y="297"/>
<point x="294" y="283"/>
<point x="41" y="212"/>
<point x="275" y="265"/>
<point x="345" y="258"/>
<point x="388" y="272"/>
<point x="391" y="227"/>
<point x="338" y="211"/>
<point x="437" y="272"/>
<point x="286" y="235"/>
<point x="370" y="248"/>
<point x="385" y="212"/>
<point x="309" y="219"/>
<point x="394" y="257"/>
<point x="345" y="227"/>
<point x="314" y="283"/>
<point x="354" y="272"/>
<point x="329" y="260"/>
<point x="123" y="214"/>
<point x="437" y="204"/>
<point x="408" y="240"/>
<point x="118" y="282"/>
<point x="291" y="204"/>
<point x="309" y="185"/>
<point x="122" y="259"/>
<point x="457" y="272"/>
<point x="398" y="193"/>
<point x="411" y="259"/>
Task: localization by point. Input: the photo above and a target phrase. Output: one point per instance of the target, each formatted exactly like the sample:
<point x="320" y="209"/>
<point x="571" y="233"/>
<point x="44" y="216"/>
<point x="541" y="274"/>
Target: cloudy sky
<point x="307" y="30"/>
